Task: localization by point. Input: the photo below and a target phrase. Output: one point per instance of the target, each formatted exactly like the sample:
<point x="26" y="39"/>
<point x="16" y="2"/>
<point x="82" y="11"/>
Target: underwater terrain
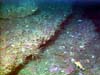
<point x="41" y="37"/>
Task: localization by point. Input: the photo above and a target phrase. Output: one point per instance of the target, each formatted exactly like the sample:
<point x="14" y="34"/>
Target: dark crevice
<point x="91" y="12"/>
<point x="43" y="46"/>
<point x="21" y="66"/>
<point x="57" y="33"/>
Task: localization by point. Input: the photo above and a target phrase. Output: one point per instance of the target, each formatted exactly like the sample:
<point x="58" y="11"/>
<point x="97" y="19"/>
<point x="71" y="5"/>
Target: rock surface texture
<point x="17" y="8"/>
<point x="72" y="53"/>
<point x="22" y="37"/>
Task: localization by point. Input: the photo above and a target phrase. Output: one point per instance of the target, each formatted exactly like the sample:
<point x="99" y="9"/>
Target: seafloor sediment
<point x="42" y="43"/>
<point x="74" y="52"/>
<point x="21" y="37"/>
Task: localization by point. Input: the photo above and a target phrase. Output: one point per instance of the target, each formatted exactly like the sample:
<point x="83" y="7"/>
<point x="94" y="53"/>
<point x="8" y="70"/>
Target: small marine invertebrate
<point x="78" y="64"/>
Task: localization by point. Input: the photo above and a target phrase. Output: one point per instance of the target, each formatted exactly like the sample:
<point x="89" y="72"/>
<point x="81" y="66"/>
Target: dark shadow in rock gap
<point x="57" y="33"/>
<point x="90" y="11"/>
<point x="43" y="46"/>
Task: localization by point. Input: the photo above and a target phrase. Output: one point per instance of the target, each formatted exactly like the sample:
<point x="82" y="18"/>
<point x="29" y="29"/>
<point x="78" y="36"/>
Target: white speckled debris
<point x="21" y="37"/>
<point x="69" y="53"/>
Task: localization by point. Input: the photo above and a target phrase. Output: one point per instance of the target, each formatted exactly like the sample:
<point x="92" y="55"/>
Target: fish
<point x="78" y="64"/>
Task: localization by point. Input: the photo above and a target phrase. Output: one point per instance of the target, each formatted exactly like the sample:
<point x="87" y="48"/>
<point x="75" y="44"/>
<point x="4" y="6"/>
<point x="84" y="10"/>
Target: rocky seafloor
<point x="16" y="8"/>
<point x="74" y="52"/>
<point x="22" y="37"/>
<point x="51" y="41"/>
